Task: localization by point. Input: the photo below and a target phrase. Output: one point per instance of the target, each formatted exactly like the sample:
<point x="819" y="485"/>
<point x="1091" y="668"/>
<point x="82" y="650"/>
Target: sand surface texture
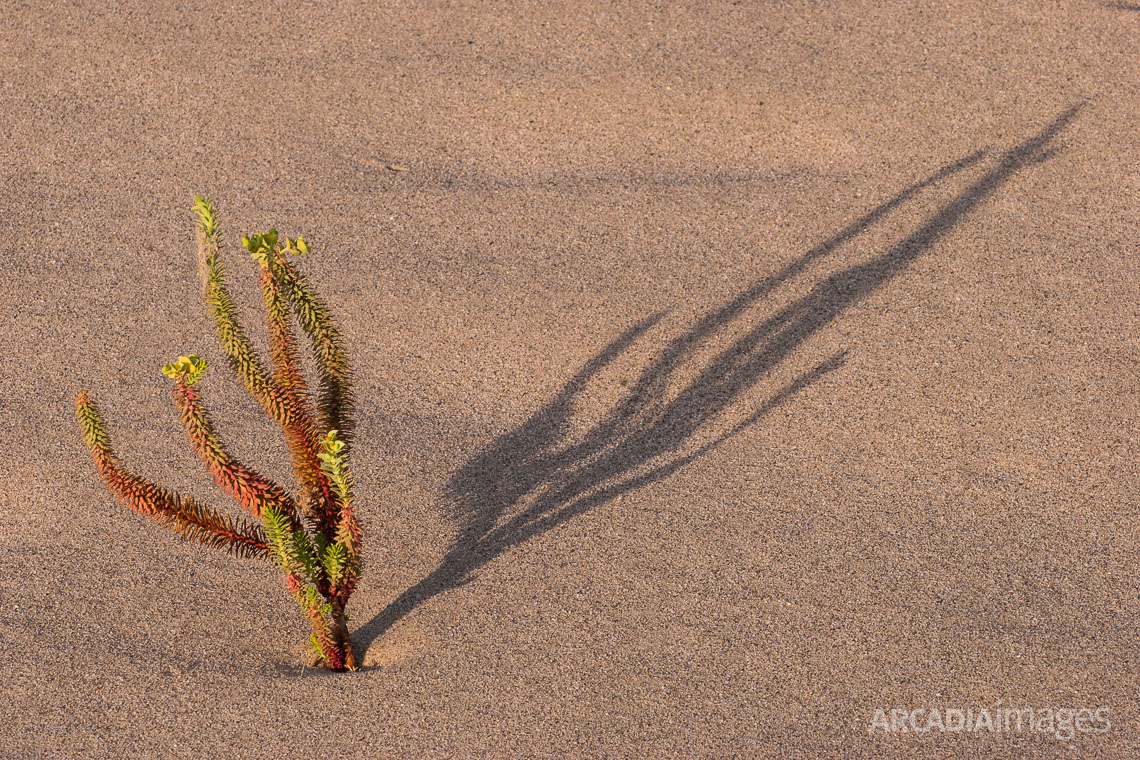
<point x="726" y="373"/>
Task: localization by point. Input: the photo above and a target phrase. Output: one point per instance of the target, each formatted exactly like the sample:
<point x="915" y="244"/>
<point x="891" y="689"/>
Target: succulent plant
<point x="313" y="537"/>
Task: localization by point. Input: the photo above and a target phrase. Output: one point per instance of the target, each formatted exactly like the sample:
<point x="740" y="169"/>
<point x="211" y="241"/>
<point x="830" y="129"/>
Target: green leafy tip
<point x="207" y="219"/>
<point x="187" y="368"/>
<point x="331" y="444"/>
<point x="261" y="246"/>
<point x="298" y="246"/>
<point x="335" y="561"/>
<point x="290" y="547"/>
<point x="333" y="462"/>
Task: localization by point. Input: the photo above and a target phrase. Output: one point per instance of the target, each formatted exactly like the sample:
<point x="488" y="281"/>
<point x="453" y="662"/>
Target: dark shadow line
<point x="553" y="418"/>
<point x="641" y="429"/>
<point x="698" y="335"/>
<point x="520" y="529"/>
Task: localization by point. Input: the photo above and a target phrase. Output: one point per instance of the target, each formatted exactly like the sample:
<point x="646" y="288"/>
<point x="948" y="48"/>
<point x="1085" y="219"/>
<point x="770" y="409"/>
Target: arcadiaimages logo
<point x="1061" y="723"/>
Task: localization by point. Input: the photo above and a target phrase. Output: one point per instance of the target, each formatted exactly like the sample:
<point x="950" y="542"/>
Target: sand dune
<point x="727" y="373"/>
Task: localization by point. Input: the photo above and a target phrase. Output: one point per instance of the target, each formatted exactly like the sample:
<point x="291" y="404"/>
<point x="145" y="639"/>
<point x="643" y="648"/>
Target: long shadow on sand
<point x="530" y="480"/>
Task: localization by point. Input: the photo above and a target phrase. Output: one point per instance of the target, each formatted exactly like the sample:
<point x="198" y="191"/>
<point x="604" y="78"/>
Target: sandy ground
<point x="727" y="373"/>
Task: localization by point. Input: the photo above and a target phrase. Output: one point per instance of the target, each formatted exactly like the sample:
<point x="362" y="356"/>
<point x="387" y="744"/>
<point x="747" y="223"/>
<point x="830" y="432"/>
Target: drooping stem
<point x="251" y="489"/>
<point x="191" y="519"/>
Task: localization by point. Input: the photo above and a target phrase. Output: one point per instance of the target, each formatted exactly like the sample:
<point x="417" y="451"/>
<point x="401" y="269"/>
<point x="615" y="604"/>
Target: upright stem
<point x="341" y="637"/>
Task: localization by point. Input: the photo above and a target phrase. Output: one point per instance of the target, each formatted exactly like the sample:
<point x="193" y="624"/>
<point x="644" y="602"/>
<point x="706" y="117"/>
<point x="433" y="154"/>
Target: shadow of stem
<point x="640" y="441"/>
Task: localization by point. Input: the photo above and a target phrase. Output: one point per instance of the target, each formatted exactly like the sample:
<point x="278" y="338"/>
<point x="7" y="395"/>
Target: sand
<point x="727" y="373"/>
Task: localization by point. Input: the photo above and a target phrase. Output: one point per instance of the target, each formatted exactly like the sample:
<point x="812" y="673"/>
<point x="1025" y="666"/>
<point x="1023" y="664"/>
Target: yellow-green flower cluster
<point x="262" y="245"/>
<point x="188" y="368"/>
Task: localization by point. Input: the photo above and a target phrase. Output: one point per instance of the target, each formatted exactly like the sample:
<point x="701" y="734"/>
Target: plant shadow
<point x="533" y="479"/>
